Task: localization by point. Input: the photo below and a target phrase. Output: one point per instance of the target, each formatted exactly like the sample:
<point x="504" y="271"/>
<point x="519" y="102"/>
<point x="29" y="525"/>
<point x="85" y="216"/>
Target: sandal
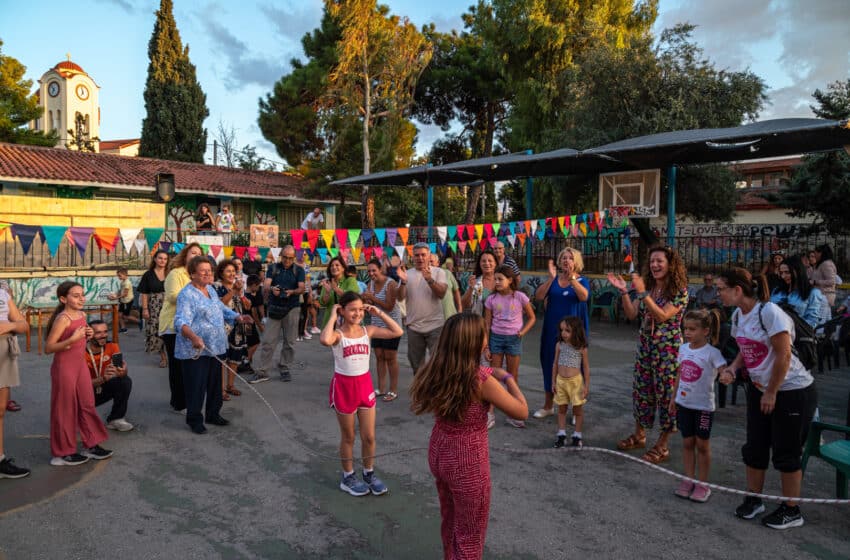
<point x="225" y="396"/>
<point x="632" y="442"/>
<point x="390" y="396"/>
<point x="656" y="455"/>
<point x="233" y="391"/>
<point x="12" y="406"/>
<point x="163" y="364"/>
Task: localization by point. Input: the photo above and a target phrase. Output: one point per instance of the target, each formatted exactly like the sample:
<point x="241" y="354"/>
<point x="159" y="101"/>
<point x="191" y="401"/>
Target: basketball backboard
<point x="639" y="192"/>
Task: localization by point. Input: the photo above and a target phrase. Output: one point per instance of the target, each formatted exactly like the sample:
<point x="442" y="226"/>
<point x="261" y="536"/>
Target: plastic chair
<point x="836" y="453"/>
<point x="606" y="299"/>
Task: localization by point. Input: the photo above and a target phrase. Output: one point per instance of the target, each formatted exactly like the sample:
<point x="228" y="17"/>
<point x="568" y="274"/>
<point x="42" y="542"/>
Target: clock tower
<point x="67" y="94"/>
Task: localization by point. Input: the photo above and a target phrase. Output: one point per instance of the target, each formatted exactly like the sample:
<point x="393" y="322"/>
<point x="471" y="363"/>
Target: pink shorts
<point x="351" y="392"/>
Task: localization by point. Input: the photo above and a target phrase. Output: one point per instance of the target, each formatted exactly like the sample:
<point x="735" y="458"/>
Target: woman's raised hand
<point x="553" y="269"/>
<point x="402" y="273"/>
<point x="616" y="281"/>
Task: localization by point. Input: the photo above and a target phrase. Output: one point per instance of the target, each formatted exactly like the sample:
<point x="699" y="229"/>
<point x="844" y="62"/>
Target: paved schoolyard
<point x="253" y="490"/>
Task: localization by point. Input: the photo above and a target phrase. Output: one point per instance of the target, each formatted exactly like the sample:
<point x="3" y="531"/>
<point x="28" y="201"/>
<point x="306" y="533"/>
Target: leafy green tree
<point x="79" y="137"/>
<point x="323" y="140"/>
<point x="612" y="93"/>
<point x="379" y="59"/>
<point x="18" y="107"/>
<point x="174" y="101"/>
<point x="820" y="186"/>
<point x="465" y="84"/>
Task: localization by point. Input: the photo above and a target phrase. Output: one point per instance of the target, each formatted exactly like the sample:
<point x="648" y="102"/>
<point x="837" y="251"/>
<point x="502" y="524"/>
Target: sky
<point x="241" y="48"/>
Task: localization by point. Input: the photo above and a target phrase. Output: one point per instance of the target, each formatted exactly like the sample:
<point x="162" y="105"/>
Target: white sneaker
<point x="515" y="423"/>
<point x="307" y="336"/>
<point x="299" y="339"/>
<point x="315" y="330"/>
<point x="120" y="424"/>
<point x="544" y="412"/>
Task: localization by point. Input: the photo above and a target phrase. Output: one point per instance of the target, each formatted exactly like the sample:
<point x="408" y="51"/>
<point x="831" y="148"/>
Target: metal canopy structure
<point x="771" y="138"/>
<point x="778" y="137"/>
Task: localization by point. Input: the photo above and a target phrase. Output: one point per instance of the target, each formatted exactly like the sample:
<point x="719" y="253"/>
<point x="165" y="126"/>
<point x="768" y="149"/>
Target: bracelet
<point x="505" y="378"/>
<point x="642" y="295"/>
<point x="624" y="292"/>
<point x="403" y="283"/>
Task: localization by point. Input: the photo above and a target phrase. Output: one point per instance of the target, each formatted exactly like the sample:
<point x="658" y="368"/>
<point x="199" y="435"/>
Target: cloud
<point x="125" y="5"/>
<point x="797" y="46"/>
<point x="291" y="22"/>
<point x="242" y="66"/>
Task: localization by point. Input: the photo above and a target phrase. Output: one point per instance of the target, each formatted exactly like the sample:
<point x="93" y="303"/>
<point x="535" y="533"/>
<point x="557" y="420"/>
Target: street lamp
<point x="165" y="187"/>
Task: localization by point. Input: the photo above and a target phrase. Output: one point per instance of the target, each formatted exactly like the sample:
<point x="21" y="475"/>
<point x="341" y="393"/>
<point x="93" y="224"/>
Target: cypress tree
<point x="174" y="101"/>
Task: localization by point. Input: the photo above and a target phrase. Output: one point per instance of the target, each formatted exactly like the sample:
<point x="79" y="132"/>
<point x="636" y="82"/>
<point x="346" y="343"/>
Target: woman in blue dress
<point x="566" y="293"/>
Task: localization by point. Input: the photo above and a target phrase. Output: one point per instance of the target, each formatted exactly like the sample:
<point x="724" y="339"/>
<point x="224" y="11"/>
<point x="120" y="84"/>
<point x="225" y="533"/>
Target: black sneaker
<point x="218" y="421"/>
<point x="8" y="469"/>
<point x="562" y="440"/>
<point x="69" y="460"/>
<point x="784" y="517"/>
<point x="750" y="508"/>
<point x="97" y="453"/>
<point x="577" y="442"/>
<point x="285" y="376"/>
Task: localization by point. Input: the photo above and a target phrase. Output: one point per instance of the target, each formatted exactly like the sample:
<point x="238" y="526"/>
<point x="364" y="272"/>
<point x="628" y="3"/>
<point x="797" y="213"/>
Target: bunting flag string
<point x="351" y="243"/>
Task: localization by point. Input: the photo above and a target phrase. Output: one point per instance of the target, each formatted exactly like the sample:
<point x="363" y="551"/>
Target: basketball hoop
<point x="631" y="193"/>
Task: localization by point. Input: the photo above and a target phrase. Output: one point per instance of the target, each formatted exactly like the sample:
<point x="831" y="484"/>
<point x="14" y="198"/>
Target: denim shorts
<point x="509" y="344"/>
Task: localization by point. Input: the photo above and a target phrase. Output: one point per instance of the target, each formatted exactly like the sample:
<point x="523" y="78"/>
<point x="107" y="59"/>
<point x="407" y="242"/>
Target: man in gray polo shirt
<point x="422" y="289"/>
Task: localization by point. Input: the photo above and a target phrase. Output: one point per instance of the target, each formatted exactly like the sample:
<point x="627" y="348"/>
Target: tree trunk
<point x="367" y="209"/>
<point x="487" y="151"/>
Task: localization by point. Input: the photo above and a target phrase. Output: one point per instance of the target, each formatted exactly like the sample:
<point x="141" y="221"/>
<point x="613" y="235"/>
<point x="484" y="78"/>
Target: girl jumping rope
<point x="569" y="370"/>
<point x="351" y="390"/>
<point x="699" y="362"/>
<point x="503" y="313"/>
<point x="71" y="396"/>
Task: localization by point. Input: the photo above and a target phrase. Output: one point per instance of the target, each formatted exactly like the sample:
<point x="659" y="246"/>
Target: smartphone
<point x="118" y="360"/>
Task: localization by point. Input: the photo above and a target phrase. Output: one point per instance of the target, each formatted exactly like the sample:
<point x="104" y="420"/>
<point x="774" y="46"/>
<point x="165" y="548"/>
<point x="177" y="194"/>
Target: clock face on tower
<point x="53" y="89"/>
<point x="82" y="92"/>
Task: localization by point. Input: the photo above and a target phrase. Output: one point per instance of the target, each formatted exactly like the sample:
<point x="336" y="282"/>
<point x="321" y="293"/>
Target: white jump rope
<point x="529" y="451"/>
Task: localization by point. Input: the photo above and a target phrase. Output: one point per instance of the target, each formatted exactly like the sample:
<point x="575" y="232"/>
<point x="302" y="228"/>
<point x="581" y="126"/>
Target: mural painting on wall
<point x="264" y="217"/>
<point x="42" y="291"/>
<point x="264" y="235"/>
<point x="181" y="216"/>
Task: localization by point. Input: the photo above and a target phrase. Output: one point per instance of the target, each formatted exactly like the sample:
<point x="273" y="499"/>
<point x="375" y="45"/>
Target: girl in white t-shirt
<point x="781" y="396"/>
<point x="699" y="362"/>
<point x="351" y="391"/>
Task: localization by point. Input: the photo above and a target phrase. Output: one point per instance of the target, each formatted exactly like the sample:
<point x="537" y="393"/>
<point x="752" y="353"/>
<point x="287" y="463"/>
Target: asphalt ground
<point x="256" y="489"/>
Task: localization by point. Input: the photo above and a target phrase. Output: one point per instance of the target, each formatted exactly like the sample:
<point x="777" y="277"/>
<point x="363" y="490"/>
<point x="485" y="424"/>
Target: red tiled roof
<point x="60" y="166"/>
<point x="66" y="66"/>
<point x="753" y="199"/>
<point x="115" y="144"/>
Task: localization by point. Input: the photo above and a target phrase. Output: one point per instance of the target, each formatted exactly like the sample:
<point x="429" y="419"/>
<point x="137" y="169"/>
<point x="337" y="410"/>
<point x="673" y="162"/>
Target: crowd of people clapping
<point x="207" y="321"/>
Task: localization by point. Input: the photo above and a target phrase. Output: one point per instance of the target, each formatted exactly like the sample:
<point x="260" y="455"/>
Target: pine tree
<point x="174" y="101"/>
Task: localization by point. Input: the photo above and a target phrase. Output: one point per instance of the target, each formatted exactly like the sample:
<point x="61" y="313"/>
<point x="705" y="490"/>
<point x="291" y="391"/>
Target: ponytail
<point x="61" y="291"/>
<point x="707" y="319"/>
<point x="755" y="287"/>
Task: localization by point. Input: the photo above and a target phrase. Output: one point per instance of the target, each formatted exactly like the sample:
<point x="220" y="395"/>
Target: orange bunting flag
<point x="228" y="251"/>
<point x="521" y="238"/>
<point x="106" y="238"/>
<point x="403" y="233"/>
<point x="528" y="227"/>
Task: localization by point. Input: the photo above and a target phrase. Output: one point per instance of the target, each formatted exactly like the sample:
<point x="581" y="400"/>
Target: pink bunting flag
<point x="297" y="237"/>
<point x="341" y="238"/>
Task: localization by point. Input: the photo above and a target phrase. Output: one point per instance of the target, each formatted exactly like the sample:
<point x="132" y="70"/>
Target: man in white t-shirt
<point x="314" y="219"/>
<point x="422" y="289"/>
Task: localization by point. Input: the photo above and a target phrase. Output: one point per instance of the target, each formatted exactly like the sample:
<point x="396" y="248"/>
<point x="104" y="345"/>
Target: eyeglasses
<point x="287" y="258"/>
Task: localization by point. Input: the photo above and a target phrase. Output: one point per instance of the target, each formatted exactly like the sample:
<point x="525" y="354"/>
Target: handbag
<point x="277" y="312"/>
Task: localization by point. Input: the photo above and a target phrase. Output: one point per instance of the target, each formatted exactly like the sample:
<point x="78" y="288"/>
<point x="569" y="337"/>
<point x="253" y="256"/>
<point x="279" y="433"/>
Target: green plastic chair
<point x="606" y="299"/>
<point x="836" y="453"/>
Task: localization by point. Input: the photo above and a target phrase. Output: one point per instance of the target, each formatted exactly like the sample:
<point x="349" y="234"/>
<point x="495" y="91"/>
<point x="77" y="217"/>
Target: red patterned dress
<point x="459" y="458"/>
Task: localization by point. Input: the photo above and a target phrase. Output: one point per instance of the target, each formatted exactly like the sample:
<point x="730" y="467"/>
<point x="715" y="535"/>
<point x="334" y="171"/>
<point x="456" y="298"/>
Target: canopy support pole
<point x="671" y="206"/>
<point x="529" y="205"/>
<point x="430" y="197"/>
